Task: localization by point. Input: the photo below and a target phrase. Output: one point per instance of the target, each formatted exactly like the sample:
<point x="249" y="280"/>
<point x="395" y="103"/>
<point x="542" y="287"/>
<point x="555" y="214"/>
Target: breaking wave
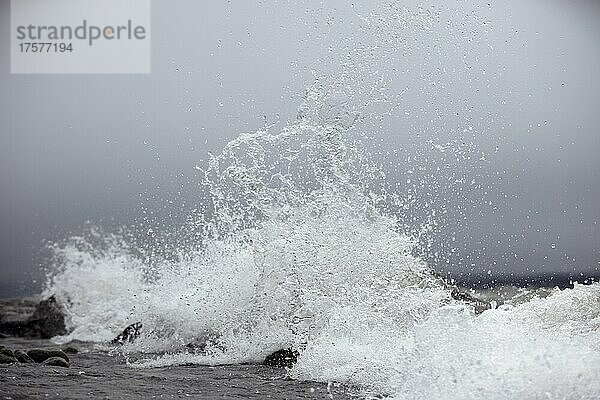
<point x="301" y="244"/>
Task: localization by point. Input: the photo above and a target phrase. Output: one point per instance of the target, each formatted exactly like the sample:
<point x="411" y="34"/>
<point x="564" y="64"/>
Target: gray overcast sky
<point x="77" y="148"/>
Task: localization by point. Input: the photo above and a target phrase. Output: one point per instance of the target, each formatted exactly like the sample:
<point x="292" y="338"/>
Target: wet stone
<point x="282" y="358"/>
<point x="57" y="362"/>
<point x="48" y="319"/>
<point x="23" y="357"/>
<point x="40" y="355"/>
<point x="129" y="334"/>
<point x="6" y="351"/>
<point x="5" y="359"/>
<point x="70" y="350"/>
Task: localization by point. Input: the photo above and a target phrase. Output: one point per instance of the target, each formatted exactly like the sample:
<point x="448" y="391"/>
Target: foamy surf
<point x="300" y="248"/>
<point x="404" y="341"/>
<point x="323" y="271"/>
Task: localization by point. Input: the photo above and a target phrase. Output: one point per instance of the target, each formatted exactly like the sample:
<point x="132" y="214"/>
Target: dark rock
<point x="46" y="321"/>
<point x="22" y="357"/>
<point x="49" y="319"/>
<point x="205" y="339"/>
<point x="57" y="362"/>
<point x="70" y="350"/>
<point x="16" y="310"/>
<point x="129" y="334"/>
<point x="40" y="355"/>
<point x="16" y="328"/>
<point x="5" y="359"/>
<point x="6" y="351"/>
<point x="479" y="305"/>
<point x="282" y="358"/>
<point x="7" y="356"/>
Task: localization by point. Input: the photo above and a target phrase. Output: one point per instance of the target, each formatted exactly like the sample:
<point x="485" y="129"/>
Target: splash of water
<point x="300" y="249"/>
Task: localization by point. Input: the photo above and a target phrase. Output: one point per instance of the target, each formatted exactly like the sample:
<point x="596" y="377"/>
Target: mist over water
<point x="300" y="240"/>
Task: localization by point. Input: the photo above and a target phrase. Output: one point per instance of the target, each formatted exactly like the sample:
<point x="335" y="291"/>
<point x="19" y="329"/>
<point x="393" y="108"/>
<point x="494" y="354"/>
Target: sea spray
<point x="303" y="244"/>
<point x="273" y="265"/>
<point x="525" y="351"/>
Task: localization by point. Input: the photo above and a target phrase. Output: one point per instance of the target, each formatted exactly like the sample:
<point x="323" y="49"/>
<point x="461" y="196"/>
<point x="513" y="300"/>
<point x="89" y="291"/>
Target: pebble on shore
<point x="41" y="355"/>
<point x="4" y="359"/>
<point x="55" y="358"/>
<point x="23" y="357"/>
<point x="7" y="356"/>
<point x="56" y="362"/>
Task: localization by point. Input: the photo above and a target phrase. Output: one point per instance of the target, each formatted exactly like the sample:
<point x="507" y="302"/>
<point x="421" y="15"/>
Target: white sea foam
<point x="299" y="249"/>
<point x="337" y="289"/>
<point x="534" y="351"/>
<point x="323" y="271"/>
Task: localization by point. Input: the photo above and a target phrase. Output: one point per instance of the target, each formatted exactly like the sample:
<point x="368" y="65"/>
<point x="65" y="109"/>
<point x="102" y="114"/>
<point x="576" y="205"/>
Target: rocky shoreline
<point x="52" y="357"/>
<point x="32" y="318"/>
<point x="96" y="374"/>
<point x="32" y="367"/>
